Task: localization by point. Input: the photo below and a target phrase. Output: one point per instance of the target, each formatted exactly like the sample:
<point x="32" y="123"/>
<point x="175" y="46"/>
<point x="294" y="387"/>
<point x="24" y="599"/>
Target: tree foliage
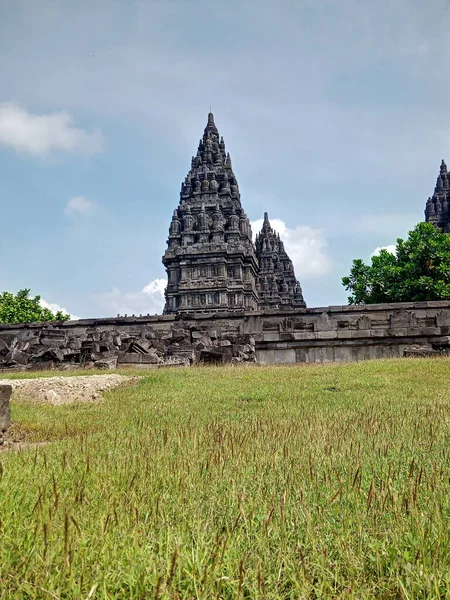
<point x="419" y="270"/>
<point x="21" y="308"/>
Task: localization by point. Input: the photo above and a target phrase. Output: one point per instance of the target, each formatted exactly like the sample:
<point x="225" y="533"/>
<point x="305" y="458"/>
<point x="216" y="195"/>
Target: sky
<point x="334" y="113"/>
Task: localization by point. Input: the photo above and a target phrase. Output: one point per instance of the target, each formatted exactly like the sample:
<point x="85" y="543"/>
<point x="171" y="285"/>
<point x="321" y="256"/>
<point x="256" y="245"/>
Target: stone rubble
<point x="63" y="390"/>
<point x="61" y="346"/>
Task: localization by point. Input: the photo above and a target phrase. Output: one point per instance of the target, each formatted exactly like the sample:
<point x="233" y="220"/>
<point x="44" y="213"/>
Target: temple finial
<point x="443" y="167"/>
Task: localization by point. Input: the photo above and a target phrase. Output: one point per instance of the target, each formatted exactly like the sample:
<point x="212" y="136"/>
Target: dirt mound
<point x="64" y="390"/>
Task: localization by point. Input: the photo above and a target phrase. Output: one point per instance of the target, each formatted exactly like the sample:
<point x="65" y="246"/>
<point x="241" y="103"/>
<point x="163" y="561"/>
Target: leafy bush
<point x="418" y="270"/>
<point x="22" y="308"/>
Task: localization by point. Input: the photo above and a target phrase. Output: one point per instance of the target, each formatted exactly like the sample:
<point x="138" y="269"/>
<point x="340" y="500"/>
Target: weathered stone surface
<point x="5" y="409"/>
<point x="268" y="336"/>
<point x="130" y="358"/>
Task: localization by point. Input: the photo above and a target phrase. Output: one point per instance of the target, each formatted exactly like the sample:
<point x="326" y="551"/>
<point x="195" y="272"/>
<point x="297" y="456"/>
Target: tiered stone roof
<point x="277" y="285"/>
<point x="210" y="259"/>
<point x="437" y="207"/>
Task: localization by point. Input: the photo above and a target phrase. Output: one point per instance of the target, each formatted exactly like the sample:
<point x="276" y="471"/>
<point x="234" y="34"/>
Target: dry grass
<point x="260" y="482"/>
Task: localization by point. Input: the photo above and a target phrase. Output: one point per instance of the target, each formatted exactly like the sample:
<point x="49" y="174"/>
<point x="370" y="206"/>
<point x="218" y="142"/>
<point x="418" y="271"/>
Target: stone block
<point x="202" y="343"/>
<point x="224" y="343"/>
<point x="399" y="332"/>
<point x="379" y="333"/>
<point x="304" y="335"/>
<point x="247" y="348"/>
<point x="326" y="335"/>
<point x="345" y="334"/>
<point x="286" y="336"/>
<point x="18" y="357"/>
<point x="364" y="322"/>
<point x="178" y="334"/>
<point x="443" y="318"/>
<point x="325" y="323"/>
<point x="4" y="348"/>
<point x="271" y="337"/>
<point x="431" y="331"/>
<point x="438" y="304"/>
<point x="107" y="363"/>
<point x="5" y="409"/>
<point x="360" y="333"/>
<point x="132" y="358"/>
<point x="53" y="342"/>
<point x="413" y="331"/>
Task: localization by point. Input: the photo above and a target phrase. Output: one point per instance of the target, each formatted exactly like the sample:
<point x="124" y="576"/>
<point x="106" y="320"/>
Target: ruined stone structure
<point x="437" y="210"/>
<point x="277" y="285"/>
<point x="211" y="262"/>
<point x="327" y="334"/>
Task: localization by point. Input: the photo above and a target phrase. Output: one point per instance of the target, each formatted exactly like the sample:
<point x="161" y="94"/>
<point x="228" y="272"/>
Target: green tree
<point x="21" y="308"/>
<point x="418" y="270"/>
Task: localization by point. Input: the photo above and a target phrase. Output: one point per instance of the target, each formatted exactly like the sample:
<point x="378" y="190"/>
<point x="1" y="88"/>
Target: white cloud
<point x="391" y="248"/>
<point x="305" y="246"/>
<point x="79" y="205"/>
<point x="150" y="300"/>
<point x="40" y="135"/>
<point x="56" y="307"/>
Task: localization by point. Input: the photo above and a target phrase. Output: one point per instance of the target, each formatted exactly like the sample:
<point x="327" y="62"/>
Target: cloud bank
<point x="150" y="300"/>
<point x="79" y="206"/>
<point x="306" y="247"/>
<point x="56" y="307"/>
<point x="41" y="135"/>
<point x="391" y="248"/>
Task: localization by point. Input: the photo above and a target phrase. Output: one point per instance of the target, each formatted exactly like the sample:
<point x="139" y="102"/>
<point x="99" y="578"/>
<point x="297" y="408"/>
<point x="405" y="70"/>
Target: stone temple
<point x="437" y="210"/>
<point x="211" y="261"/>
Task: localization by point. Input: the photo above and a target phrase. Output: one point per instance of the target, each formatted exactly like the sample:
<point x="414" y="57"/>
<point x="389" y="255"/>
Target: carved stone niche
<point x="403" y="318"/>
<point x="364" y="322"/>
<point x="304" y="326"/>
<point x="288" y="324"/>
<point x="324" y="323"/>
<point x="443" y="318"/>
<point x="270" y="326"/>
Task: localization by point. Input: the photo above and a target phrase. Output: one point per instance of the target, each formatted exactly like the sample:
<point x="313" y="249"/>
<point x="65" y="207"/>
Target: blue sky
<point x="334" y="113"/>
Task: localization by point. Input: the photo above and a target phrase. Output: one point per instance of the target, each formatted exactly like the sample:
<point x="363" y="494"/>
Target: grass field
<point x="259" y="482"/>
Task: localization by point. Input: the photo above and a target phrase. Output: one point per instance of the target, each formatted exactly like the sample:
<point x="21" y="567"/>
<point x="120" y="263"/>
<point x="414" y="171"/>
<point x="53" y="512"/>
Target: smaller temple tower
<point x="437" y="207"/>
<point x="277" y="285"/>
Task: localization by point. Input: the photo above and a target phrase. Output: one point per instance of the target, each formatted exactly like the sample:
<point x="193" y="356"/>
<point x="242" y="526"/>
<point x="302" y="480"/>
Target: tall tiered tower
<point x="277" y="285"/>
<point x="437" y="208"/>
<point x="210" y="259"/>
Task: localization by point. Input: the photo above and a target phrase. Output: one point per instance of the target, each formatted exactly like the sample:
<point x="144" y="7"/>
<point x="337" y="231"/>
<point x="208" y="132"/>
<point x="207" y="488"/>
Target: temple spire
<point x="437" y="207"/>
<point x="212" y="238"/>
<point x="276" y="266"/>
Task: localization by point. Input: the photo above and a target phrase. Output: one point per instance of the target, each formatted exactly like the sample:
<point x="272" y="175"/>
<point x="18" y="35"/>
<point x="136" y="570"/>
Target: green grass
<point x="259" y="482"/>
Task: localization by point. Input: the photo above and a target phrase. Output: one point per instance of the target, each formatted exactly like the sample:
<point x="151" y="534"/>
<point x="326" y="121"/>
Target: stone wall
<point x="349" y="333"/>
<point x="334" y="333"/>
